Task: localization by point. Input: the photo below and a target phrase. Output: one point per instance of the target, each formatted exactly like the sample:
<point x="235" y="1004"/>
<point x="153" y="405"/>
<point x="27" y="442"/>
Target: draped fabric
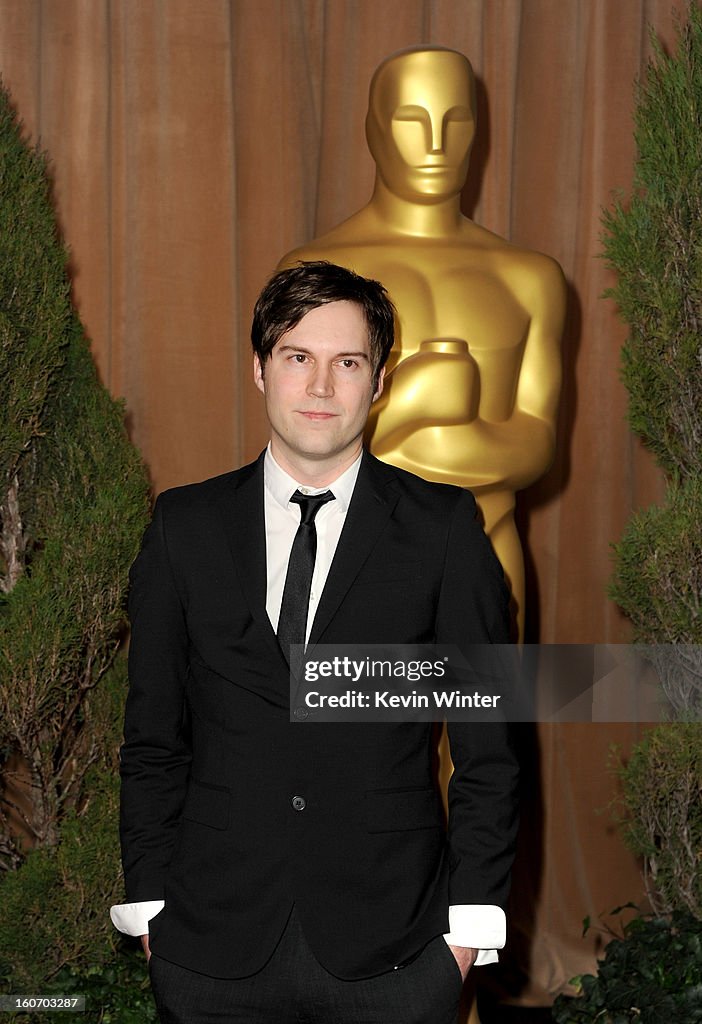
<point x="194" y="142"/>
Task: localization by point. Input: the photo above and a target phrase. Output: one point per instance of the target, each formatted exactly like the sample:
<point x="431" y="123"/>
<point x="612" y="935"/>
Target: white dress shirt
<point x="481" y="926"/>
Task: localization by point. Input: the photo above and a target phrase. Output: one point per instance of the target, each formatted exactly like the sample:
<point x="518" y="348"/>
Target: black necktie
<point x="292" y="621"/>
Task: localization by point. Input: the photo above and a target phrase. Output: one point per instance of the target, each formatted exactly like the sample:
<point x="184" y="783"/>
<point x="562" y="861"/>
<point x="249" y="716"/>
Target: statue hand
<point x="438" y="386"/>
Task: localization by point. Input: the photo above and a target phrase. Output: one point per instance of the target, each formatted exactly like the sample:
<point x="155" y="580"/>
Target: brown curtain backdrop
<point x="193" y="142"/>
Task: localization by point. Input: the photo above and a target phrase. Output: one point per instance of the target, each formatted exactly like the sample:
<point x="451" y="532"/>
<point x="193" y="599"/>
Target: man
<point x="300" y="872"/>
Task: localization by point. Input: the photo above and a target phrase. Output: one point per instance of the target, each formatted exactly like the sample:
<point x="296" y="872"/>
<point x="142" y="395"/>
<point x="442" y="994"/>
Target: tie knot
<point x="310" y="504"/>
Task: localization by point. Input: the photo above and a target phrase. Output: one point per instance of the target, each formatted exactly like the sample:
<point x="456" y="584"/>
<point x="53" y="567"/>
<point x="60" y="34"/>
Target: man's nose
<point x="321" y="383"/>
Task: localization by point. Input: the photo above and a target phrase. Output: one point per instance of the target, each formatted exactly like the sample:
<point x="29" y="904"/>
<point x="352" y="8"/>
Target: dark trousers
<point x="293" y="988"/>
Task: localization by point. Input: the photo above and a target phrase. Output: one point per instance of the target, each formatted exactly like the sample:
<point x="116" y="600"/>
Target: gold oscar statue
<point x="473" y="386"/>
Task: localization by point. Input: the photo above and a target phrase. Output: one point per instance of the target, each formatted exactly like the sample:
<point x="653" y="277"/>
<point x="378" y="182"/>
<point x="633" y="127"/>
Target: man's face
<point x="421" y="125"/>
<point x="318" y="387"/>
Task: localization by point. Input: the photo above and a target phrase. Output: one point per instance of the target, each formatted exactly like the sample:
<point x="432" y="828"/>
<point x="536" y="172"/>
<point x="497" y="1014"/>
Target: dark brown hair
<point x="291" y="294"/>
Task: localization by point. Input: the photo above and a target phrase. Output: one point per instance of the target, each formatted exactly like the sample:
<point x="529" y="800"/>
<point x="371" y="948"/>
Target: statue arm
<point x="539" y="385"/>
<point x="430" y="411"/>
<point x="520" y="449"/>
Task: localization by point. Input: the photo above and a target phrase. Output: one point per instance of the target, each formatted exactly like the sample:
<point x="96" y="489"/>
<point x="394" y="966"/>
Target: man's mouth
<point x="318" y="415"/>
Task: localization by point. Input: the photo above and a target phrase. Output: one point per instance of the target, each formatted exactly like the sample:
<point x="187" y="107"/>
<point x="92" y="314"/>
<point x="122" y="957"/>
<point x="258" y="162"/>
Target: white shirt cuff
<point x="133" y="918"/>
<point x="480" y="926"/>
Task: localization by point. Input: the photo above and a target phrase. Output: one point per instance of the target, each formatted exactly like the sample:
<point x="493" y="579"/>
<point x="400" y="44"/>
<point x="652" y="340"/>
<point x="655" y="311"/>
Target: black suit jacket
<point x="211" y="761"/>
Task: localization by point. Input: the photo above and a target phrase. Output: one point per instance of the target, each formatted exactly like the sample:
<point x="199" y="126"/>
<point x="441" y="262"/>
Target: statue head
<point x="421" y="122"/>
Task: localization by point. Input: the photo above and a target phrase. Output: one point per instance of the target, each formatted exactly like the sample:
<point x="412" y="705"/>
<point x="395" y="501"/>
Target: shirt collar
<point x="281" y="486"/>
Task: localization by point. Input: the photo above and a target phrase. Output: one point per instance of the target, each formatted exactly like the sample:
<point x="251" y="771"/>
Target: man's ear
<point x="259" y="379"/>
<point x="379" y="388"/>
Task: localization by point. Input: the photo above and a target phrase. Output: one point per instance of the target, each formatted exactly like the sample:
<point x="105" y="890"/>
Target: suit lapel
<point x="372" y="504"/>
<point x="243" y="516"/>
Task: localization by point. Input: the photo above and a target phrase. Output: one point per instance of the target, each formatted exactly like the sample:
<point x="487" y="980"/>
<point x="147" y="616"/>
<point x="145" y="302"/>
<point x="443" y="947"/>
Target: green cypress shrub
<point x="73" y="506"/>
<point x="654" y="242"/>
<point x="655" y="245"/>
<point x="662" y="815"/>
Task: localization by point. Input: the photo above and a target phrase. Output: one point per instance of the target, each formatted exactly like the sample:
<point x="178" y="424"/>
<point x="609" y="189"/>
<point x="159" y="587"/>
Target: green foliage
<point x="118" y="993"/>
<point x="662" y="814"/>
<point x="53" y="907"/>
<point x="73" y="503"/>
<point x="73" y="506"/>
<point x="655" y="245"/>
<point x="650" y="975"/>
<point x="34" y="306"/>
<point x="658" y="578"/>
<point x="60" y="625"/>
<point x="55" y="934"/>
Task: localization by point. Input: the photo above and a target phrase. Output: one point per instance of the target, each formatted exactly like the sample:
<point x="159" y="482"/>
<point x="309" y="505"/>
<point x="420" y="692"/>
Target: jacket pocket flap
<point x="404" y="572"/>
<point x="395" y="810"/>
<point x="207" y="804"/>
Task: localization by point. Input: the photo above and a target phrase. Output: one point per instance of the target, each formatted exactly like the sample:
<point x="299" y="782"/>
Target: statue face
<point x="421" y="123"/>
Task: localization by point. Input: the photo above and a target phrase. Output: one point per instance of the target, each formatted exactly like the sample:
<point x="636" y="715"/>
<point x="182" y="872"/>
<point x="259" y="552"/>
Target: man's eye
<point x="299" y="357"/>
<point x="348" y="363"/>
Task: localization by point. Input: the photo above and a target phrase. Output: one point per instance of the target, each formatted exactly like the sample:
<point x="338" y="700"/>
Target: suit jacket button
<point x="299" y="803"/>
